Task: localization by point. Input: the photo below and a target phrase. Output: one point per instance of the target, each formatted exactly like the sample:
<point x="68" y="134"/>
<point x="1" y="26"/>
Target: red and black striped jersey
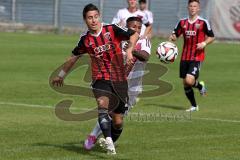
<point x="193" y="32"/>
<point x="105" y="51"/>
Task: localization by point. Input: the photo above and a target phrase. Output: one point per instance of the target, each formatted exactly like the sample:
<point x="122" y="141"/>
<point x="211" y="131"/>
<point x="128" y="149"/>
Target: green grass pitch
<point x="30" y="130"/>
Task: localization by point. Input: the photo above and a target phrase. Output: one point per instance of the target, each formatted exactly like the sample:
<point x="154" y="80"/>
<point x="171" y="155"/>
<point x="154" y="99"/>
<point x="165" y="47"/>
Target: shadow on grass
<point x="97" y="151"/>
<point x="175" y="107"/>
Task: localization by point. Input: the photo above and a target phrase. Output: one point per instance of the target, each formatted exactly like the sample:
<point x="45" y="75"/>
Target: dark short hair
<point x="142" y="1"/>
<point x="89" y="7"/>
<point x="130" y="19"/>
<point x="190" y="1"/>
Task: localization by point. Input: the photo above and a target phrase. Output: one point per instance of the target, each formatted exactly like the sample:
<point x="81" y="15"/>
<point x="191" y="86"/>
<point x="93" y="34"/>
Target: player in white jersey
<point x="135" y="73"/>
<point x="144" y="8"/>
<point x="133" y="11"/>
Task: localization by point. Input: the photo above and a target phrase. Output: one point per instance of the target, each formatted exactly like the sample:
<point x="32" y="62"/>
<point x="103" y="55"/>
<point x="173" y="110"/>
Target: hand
<point x="57" y="81"/>
<point x="172" y="37"/>
<point x="201" y="45"/>
<point x="129" y="58"/>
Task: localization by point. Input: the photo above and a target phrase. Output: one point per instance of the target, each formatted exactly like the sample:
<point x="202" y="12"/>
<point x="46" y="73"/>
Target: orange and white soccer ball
<point x="167" y="52"/>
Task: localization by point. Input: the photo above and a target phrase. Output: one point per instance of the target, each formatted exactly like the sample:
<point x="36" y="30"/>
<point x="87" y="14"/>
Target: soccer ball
<point x="167" y="52"/>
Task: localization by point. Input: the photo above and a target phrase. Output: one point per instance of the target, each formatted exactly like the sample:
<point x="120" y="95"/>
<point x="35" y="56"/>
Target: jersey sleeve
<point x="146" y="45"/>
<point x="178" y="29"/>
<point x="125" y="33"/>
<point x="80" y="49"/>
<point x="207" y="29"/>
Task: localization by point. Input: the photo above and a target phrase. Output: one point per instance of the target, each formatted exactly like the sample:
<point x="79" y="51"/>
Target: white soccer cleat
<point x="192" y="109"/>
<point x="108" y="145"/>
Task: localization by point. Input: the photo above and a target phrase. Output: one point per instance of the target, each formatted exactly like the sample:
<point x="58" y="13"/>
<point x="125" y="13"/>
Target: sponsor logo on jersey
<point x="103" y="48"/>
<point x="197" y="25"/>
<point x="190" y="33"/>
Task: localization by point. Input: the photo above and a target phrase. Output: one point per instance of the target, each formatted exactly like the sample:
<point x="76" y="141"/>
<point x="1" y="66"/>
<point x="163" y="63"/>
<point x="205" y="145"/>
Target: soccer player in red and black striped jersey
<point x="109" y="81"/>
<point x="197" y="34"/>
<point x="135" y="72"/>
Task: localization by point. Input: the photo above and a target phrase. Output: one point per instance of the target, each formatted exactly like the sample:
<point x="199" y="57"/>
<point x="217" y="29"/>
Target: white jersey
<point x="137" y="72"/>
<point x="149" y="15"/>
<point x="124" y="14"/>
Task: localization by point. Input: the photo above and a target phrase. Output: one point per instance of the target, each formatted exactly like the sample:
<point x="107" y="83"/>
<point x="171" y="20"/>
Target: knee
<point x="118" y="123"/>
<point x="102" y="102"/>
<point x="189" y="82"/>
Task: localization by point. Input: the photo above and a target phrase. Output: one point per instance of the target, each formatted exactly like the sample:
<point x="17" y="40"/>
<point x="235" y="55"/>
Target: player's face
<point x="193" y="8"/>
<point x="135" y="25"/>
<point x="132" y="3"/>
<point x="143" y="6"/>
<point x="93" y="20"/>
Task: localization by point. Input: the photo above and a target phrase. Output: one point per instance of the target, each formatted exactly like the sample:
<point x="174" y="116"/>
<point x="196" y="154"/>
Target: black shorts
<point x="117" y="92"/>
<point x="190" y="67"/>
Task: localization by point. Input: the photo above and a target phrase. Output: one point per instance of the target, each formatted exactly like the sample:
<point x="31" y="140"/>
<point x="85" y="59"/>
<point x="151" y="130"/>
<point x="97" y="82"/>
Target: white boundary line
<point x="219" y="120"/>
<point x="200" y="137"/>
<point x="52" y="107"/>
<point x="25" y="105"/>
<point x="38" y="106"/>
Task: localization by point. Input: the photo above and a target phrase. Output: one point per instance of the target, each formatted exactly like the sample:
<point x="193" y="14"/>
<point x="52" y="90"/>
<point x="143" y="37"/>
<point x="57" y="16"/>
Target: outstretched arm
<point x="58" y="80"/>
<point x="132" y="43"/>
<point x="176" y="32"/>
